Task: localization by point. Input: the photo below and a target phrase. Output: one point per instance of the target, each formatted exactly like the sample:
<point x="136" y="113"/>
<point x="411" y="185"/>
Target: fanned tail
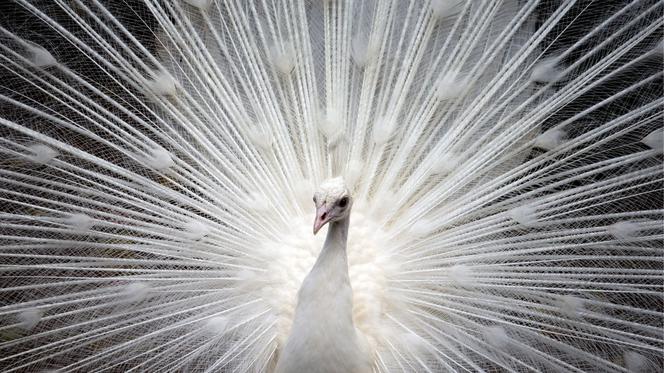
<point x="157" y="160"/>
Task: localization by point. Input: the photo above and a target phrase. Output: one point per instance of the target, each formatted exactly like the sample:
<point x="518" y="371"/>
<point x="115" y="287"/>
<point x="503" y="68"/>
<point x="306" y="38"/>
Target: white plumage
<point x="323" y="337"/>
<point x="158" y="159"/>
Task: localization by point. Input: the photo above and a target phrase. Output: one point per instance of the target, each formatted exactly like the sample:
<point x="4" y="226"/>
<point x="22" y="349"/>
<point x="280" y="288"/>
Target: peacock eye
<point x="343" y="202"/>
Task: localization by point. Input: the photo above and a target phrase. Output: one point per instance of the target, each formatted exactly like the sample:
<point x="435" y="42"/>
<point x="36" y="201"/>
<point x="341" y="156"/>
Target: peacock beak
<point x="322" y="218"/>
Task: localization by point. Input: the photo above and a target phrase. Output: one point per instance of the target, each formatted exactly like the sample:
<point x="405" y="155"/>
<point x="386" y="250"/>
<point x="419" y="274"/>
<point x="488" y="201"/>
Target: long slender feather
<point x="157" y="161"/>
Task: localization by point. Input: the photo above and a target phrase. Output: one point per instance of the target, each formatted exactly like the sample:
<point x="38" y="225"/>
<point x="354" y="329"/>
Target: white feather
<point x="451" y="85"/>
<point x="383" y="130"/>
<point x="550" y="139"/>
<point x="525" y="215"/>
<point x="331" y="125"/>
<point x="261" y="138"/>
<point x="135" y="292"/>
<point x="635" y="362"/>
<point x="42" y="154"/>
<point x="445" y="8"/>
<point x="156" y="182"/>
<point x="29" y="318"/>
<point x="446" y="163"/>
<point x="655" y="140"/>
<point x="196" y="230"/>
<point x="364" y="49"/>
<point x="159" y="159"/>
<point x="570" y="306"/>
<point x="546" y="70"/>
<point x="282" y="57"/>
<point x="79" y="222"/>
<point x="200" y="4"/>
<point x="39" y="56"/>
<point x="217" y="325"/>
<point x="162" y="83"/>
<point x="353" y="172"/>
<point x="460" y="275"/>
<point x="496" y="336"/>
<point x="624" y="230"/>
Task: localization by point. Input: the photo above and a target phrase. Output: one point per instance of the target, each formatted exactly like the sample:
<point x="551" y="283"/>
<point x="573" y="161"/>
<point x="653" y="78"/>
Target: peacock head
<point x="333" y="202"/>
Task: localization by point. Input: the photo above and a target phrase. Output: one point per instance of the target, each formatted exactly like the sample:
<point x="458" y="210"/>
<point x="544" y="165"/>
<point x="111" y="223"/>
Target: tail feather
<point x="157" y="163"/>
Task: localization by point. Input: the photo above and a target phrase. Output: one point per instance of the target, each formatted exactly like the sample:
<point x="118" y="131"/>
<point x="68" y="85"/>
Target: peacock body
<point x="158" y="160"/>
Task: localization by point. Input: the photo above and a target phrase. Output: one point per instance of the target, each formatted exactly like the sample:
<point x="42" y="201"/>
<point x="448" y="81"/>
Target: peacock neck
<point x="333" y="255"/>
<point x="323" y="337"/>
